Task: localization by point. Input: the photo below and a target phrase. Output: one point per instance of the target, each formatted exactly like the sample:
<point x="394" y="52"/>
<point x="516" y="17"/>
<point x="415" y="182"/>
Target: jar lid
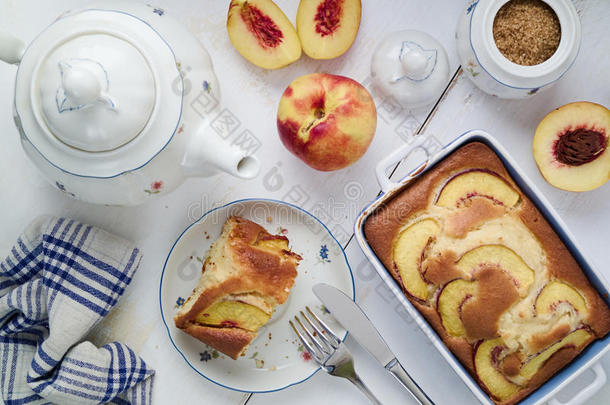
<point x="88" y="97"/>
<point x="410" y="66"/>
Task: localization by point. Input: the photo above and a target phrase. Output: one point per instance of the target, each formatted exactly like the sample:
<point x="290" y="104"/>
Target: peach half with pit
<point x="408" y="252"/>
<point x="327" y="28"/>
<point x="571" y="146"/>
<point x="261" y="33"/>
<point x="501" y="257"/>
<point x="557" y="293"/>
<point x="477" y="183"/>
<point x="327" y="121"/>
<point x="487" y="368"/>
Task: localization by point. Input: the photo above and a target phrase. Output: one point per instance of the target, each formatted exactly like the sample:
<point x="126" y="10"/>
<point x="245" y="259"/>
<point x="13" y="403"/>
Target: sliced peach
<point x="461" y="221"/>
<point x="449" y="305"/>
<point x="327" y="28"/>
<point x="571" y="146"/>
<point x="556" y="293"/>
<point x="262" y="33"/>
<point x="408" y="253"/>
<point x="272" y="243"/>
<point x="502" y="257"/>
<point x="575" y="339"/>
<point x="233" y="314"/>
<point x="477" y="183"/>
<point x="486" y="364"/>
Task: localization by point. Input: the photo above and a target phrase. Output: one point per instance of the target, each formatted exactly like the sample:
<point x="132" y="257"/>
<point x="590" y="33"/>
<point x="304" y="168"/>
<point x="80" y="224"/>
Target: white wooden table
<point x="337" y="198"/>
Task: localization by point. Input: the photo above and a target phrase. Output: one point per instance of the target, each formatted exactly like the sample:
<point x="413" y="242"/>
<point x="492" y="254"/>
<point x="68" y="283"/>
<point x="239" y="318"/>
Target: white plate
<point x="275" y="359"/>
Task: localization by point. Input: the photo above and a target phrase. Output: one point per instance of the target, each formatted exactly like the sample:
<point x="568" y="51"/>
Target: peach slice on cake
<point x="327" y="28"/>
<point x="571" y="146"/>
<point x="234" y="314"/>
<point x="261" y="33"/>
<point x="575" y="339"/>
<point x="408" y="254"/>
<point x="477" y="183"/>
<point x="449" y="304"/>
<point x="502" y="257"/>
<point x="486" y="365"/>
<point x="461" y="221"/>
<point x="557" y="293"/>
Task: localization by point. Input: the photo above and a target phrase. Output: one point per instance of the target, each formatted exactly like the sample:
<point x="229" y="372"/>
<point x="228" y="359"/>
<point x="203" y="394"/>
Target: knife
<point x="352" y="318"/>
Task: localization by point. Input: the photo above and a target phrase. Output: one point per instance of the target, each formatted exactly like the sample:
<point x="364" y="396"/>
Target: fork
<point x="328" y="350"/>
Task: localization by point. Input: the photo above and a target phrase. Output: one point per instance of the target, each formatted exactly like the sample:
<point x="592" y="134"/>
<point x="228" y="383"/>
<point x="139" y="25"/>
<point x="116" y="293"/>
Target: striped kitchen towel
<point x="58" y="281"/>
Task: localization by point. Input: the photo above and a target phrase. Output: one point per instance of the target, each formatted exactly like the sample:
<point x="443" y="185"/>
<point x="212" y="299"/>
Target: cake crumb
<point x="526" y="32"/>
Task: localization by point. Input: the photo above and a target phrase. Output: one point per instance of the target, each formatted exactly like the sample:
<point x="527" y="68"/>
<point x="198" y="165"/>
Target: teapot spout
<point x="207" y="152"/>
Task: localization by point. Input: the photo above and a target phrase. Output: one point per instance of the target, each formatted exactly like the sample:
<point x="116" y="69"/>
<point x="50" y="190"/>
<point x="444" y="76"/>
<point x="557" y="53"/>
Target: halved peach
<point x="503" y="258"/>
<point x="233" y="314"/>
<point x="571" y="146"/>
<point x="449" y="304"/>
<point x="575" y="339"/>
<point x="261" y="33"/>
<point x="477" y="183"/>
<point x="486" y="365"/>
<point x="327" y="28"/>
<point x="556" y="293"/>
<point x="408" y="252"/>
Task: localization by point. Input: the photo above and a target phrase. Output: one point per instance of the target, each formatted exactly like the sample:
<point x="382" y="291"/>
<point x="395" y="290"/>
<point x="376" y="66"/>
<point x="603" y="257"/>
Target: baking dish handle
<point x="587" y="392"/>
<point x="401" y="153"/>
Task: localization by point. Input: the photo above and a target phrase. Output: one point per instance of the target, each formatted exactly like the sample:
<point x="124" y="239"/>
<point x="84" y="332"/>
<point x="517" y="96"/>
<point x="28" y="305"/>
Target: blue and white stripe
<point x="58" y="281"/>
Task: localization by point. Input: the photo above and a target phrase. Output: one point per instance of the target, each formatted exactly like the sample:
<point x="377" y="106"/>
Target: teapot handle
<point x="11" y="48"/>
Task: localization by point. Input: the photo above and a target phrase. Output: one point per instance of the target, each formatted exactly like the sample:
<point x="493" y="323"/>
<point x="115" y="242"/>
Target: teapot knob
<point x="82" y="84"/>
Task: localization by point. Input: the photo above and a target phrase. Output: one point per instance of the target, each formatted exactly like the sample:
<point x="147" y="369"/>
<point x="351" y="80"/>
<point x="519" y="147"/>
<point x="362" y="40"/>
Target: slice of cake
<point x="247" y="273"/>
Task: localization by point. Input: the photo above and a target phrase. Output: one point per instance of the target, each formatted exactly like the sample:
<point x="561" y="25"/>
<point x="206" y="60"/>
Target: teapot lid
<point x="410" y="66"/>
<point x="99" y="93"/>
<point x="96" y="92"/>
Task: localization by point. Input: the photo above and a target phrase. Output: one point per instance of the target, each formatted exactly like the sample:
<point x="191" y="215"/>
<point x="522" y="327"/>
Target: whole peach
<point x="327" y="121"/>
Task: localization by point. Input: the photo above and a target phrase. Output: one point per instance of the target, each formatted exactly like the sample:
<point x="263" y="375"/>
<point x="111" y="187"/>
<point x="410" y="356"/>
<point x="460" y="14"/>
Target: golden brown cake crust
<point x="383" y="226"/>
<point x="259" y="270"/>
<point x="230" y="341"/>
<point x="495" y="294"/>
<point x="244" y="262"/>
<point x="562" y="265"/>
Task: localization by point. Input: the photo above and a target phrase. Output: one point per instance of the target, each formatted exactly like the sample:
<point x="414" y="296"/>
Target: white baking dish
<point x="589" y="358"/>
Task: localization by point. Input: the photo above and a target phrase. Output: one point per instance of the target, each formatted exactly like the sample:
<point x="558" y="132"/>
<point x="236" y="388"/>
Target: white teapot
<point x="117" y="103"/>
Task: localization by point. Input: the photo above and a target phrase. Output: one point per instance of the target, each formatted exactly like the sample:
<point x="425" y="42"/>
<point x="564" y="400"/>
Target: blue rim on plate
<point x="353" y="293"/>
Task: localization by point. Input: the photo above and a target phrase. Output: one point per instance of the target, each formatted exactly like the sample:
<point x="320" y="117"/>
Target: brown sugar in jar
<point x="526" y="32"/>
